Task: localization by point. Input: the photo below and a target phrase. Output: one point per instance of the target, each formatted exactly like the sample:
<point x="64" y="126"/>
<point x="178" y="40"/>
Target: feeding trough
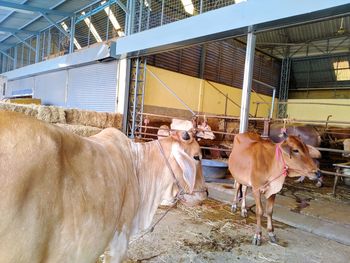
<point x="213" y="169"/>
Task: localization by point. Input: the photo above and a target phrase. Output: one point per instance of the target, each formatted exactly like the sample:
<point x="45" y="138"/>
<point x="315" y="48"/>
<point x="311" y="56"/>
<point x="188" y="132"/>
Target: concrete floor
<point x="211" y="233"/>
<point x="303" y="207"/>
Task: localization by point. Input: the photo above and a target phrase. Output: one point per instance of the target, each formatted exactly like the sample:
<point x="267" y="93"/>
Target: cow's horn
<point x="186" y="136"/>
<point x="284" y="135"/>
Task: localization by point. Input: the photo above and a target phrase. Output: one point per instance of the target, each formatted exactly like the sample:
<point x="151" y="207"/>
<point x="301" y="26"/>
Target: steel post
<point x="37" y="48"/>
<point x="247" y="81"/>
<point x="72" y="33"/>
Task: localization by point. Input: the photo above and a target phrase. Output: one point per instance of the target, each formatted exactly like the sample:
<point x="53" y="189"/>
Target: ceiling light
<point x="92" y="28"/>
<point x="189" y="8"/>
<point x="113" y="20"/>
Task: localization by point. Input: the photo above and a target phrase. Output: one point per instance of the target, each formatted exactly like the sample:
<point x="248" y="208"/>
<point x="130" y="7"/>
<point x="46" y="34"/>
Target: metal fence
<point x="102" y="21"/>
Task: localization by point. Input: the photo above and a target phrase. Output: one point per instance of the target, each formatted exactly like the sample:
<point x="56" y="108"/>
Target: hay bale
<point x="51" y="114"/>
<point x="80" y="130"/>
<point x="92" y="118"/>
<point x="30" y="110"/>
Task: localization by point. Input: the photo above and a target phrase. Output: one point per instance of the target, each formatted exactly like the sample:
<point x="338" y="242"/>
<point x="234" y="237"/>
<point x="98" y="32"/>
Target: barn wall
<point x="319" y="112"/>
<point x="200" y="95"/>
<point x="320" y="94"/>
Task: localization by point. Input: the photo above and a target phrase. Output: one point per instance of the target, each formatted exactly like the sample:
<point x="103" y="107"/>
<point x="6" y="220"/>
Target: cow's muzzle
<point x="195" y="198"/>
<point x="314" y="174"/>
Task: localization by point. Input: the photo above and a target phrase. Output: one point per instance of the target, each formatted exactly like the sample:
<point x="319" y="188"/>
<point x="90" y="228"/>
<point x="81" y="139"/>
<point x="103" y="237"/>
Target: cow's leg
<point x="117" y="249"/>
<point x="244" y="211"/>
<point x="259" y="212"/>
<point x="269" y="210"/>
<point x="237" y="187"/>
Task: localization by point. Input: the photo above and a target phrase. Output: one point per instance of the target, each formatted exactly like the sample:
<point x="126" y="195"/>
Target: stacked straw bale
<point x="92" y="118"/>
<point x="81" y="122"/>
<point x="51" y="114"/>
<point x="30" y="110"/>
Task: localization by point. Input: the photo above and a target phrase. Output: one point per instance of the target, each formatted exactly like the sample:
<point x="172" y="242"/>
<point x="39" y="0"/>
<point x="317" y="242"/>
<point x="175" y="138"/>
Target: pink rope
<point x="279" y="157"/>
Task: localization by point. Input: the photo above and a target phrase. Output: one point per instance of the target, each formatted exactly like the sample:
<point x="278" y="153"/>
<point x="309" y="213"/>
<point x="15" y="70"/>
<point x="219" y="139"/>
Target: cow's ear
<point x="287" y="149"/>
<point x="187" y="165"/>
<point x="314" y="153"/>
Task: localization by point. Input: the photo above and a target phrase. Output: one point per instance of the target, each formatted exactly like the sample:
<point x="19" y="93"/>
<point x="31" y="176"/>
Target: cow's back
<point x="56" y="191"/>
<point x="250" y="159"/>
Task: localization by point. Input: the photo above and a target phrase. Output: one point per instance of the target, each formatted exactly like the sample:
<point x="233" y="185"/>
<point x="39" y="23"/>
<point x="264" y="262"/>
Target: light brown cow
<point x="202" y="130"/>
<point x="264" y="166"/>
<point x="65" y="198"/>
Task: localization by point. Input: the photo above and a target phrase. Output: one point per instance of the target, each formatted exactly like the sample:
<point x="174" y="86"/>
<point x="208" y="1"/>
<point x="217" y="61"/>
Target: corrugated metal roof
<point x="328" y="36"/>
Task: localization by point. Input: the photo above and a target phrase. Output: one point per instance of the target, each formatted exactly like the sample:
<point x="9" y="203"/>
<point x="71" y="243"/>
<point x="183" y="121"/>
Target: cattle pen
<point x="174" y="131"/>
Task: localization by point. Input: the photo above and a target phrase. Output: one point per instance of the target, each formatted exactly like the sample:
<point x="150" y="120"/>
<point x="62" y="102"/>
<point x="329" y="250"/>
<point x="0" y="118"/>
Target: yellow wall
<point x="198" y="94"/>
<point x="320" y="94"/>
<point x="319" y="112"/>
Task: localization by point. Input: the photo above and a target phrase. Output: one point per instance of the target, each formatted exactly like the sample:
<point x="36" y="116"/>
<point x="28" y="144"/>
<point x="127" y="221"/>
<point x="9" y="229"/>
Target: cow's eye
<point x="196" y="157"/>
<point x="295" y="150"/>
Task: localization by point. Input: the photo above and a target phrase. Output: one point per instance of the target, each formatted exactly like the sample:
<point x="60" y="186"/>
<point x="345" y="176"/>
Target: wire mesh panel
<point x="153" y="13"/>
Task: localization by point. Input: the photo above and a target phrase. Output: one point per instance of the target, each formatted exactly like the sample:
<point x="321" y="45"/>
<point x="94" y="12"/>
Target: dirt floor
<point x="211" y="233"/>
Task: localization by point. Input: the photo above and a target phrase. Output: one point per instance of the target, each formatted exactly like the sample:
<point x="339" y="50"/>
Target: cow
<point x="263" y="165"/>
<point x="66" y="198"/>
<point x="346" y="144"/>
<point x="201" y="131"/>
<point x="308" y="134"/>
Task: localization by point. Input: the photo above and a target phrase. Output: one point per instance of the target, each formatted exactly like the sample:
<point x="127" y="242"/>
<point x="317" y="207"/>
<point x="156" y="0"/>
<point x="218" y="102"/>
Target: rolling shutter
<point x="51" y="88"/>
<point x="93" y="87"/>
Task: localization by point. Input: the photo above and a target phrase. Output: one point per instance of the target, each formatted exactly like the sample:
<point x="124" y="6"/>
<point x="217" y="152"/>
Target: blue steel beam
<point x="230" y="21"/>
<point x="55" y="25"/>
<point x="33" y="20"/>
<point x="23" y="41"/>
<point x="15" y="6"/>
<point x="15" y="30"/>
<point x="7" y="55"/>
<point x="10" y="13"/>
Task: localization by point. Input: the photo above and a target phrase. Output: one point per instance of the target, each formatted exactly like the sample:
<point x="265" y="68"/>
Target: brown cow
<point x="65" y="198"/>
<point x="263" y="165"/>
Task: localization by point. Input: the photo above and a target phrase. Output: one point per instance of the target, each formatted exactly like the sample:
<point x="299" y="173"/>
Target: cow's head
<point x="299" y="157"/>
<point x="204" y="131"/>
<point x="185" y="161"/>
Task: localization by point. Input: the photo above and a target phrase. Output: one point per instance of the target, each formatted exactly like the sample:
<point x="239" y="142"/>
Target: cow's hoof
<point x="299" y="180"/>
<point x="244" y="212"/>
<point x="257" y="240"/>
<point x="233" y="208"/>
<point x="272" y="237"/>
<point x="319" y="184"/>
